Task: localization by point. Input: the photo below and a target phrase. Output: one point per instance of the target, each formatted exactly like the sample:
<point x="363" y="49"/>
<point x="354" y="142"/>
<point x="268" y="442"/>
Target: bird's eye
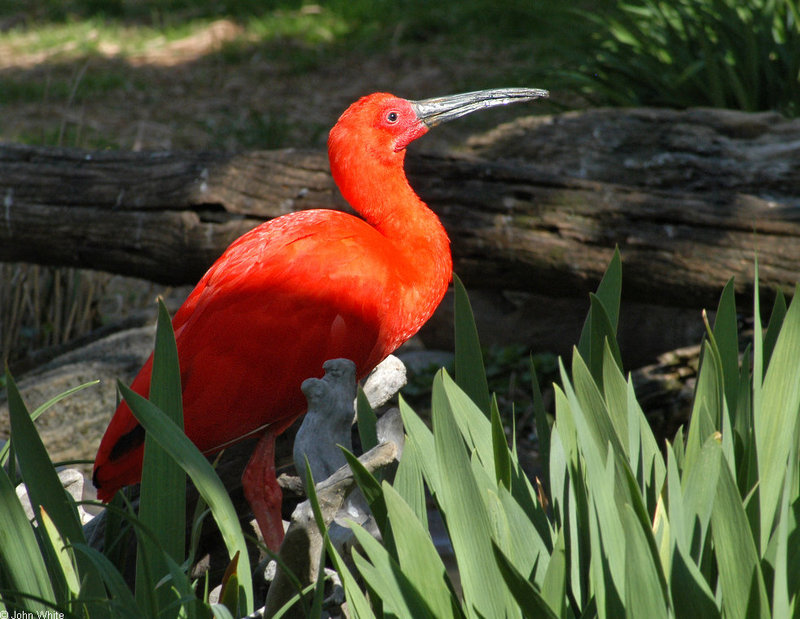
<point x="392" y="117"/>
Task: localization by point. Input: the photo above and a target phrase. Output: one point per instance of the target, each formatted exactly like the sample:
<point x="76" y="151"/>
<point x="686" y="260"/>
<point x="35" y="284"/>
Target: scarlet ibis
<point x="304" y="288"/>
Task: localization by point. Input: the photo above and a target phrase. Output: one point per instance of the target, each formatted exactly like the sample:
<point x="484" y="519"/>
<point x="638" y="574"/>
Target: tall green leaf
<point x="781" y="593"/>
<point x="419" y="558"/>
<point x="20" y="555"/>
<point x="470" y="373"/>
<point x="707" y="404"/>
<point x="530" y="601"/>
<point x="502" y="456"/>
<point x="603" y="317"/>
<point x="176" y="443"/>
<point x="162" y="499"/>
<point x="775" y="422"/>
<point x="643" y="580"/>
<point x="467" y="518"/>
<point x="741" y="581"/>
<point x="367" y="421"/>
<point x="383" y="574"/>
<point x="45" y="489"/>
<point x="774" y="326"/>
<point x="698" y="484"/>
<point x="554" y="585"/>
<point x="408" y="482"/>
<point x="726" y="334"/>
<point x="121" y="602"/>
<point x="356" y="600"/>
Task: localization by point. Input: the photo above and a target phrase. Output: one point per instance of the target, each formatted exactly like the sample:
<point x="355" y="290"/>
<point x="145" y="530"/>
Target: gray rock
<point x="73" y="482"/>
<point x="72" y="429"/>
<point x="385" y="381"/>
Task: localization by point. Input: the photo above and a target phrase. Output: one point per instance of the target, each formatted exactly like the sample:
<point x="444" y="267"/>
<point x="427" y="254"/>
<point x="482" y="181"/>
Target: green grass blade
<point x="63" y="555"/>
<point x="603" y="317"/>
<point x="502" y="456"/>
<point x="775" y="425"/>
<point x="418" y="434"/>
<point x="774" y="326"/>
<point x="741" y="581"/>
<point x="470" y="373"/>
<point x="373" y="493"/>
<point x="698" y="484"/>
<point x="419" y="558"/>
<point x="20" y="555"/>
<point x="606" y="540"/>
<point x="589" y="406"/>
<point x="474" y="426"/>
<point x="408" y="482"/>
<point x="45" y="488"/>
<point x="678" y="527"/>
<point x="599" y="334"/>
<point x="468" y="522"/>
<point x="609" y="291"/>
<point x="383" y="575"/>
<point x="208" y="484"/>
<point x="726" y="335"/>
<point x="356" y="600"/>
<point x="625" y="422"/>
<point x="162" y="503"/>
<point x="642" y="579"/>
<point x="707" y="402"/>
<point x="367" y="422"/>
<point x="653" y="470"/>
<point x="554" y="584"/>
<point x="220" y="611"/>
<point x="759" y="363"/>
<point x="530" y="601"/>
<point x="691" y="595"/>
<point x="121" y="599"/>
<point x="781" y="596"/>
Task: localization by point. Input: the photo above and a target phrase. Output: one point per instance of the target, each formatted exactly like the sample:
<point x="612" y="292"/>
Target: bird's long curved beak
<point x="438" y="110"/>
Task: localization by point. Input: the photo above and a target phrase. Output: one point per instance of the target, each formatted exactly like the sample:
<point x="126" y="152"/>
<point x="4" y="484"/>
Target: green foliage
<point x="625" y="529"/>
<point x="616" y="527"/>
<point x="47" y="565"/>
<point x="717" y="53"/>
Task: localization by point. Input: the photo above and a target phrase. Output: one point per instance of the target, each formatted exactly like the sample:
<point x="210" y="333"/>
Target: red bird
<point x="304" y="288"/>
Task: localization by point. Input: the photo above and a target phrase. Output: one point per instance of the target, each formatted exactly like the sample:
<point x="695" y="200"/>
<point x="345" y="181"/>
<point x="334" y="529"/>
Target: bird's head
<point x="382" y="125"/>
<point x="379" y="125"/>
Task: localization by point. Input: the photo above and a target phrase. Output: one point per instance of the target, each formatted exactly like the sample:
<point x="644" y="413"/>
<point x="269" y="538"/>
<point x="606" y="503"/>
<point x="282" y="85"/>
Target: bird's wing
<point x="278" y="303"/>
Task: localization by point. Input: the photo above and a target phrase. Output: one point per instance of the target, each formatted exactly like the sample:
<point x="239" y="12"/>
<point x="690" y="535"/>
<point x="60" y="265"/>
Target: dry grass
<point x="44" y="306"/>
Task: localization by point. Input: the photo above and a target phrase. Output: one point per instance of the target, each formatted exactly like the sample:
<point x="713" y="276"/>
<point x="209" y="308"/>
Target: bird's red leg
<point x="262" y="491"/>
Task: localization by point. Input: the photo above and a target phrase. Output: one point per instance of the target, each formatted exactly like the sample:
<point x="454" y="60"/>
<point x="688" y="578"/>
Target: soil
<point x="215" y="89"/>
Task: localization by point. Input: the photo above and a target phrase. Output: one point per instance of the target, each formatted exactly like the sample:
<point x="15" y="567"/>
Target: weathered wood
<point x="688" y="197"/>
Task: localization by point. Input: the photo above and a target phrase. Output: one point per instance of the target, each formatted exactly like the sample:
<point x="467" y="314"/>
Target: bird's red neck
<point x="375" y="185"/>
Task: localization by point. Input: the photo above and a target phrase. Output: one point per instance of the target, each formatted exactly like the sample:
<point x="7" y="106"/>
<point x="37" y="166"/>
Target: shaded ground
<point x="222" y="87"/>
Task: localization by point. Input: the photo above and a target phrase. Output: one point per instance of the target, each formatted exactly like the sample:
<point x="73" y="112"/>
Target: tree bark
<point x="538" y="205"/>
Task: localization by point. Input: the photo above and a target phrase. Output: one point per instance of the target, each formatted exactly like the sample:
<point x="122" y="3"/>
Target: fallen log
<point x="687" y="196"/>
